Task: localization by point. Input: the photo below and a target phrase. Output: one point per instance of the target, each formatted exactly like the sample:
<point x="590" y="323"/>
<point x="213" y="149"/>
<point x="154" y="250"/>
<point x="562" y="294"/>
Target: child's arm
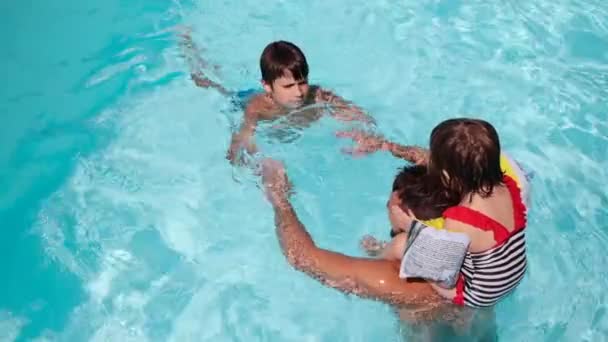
<point x="343" y="110"/>
<point x="203" y="81"/>
<point x="197" y="64"/>
<point x="392" y="250"/>
<point x="244" y="137"/>
<point x="413" y="154"/>
<point x="366" y="143"/>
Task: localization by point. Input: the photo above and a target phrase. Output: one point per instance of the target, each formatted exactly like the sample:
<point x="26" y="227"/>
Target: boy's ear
<point x="267" y="87"/>
<point x="410" y="213"/>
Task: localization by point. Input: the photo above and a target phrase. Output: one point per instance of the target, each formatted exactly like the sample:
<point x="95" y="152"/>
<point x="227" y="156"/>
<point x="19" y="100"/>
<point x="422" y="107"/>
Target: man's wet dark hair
<point x="414" y="190"/>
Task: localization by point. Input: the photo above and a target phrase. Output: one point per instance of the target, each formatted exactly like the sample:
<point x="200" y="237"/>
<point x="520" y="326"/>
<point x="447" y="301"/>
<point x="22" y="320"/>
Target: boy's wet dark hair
<point x="280" y="56"/>
<point x="465" y="158"/>
<point x="414" y="190"/>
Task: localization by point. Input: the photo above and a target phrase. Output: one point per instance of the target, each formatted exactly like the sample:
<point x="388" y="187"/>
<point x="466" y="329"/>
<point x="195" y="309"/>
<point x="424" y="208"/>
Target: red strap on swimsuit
<point x="477" y="219"/>
<point x="459" y="298"/>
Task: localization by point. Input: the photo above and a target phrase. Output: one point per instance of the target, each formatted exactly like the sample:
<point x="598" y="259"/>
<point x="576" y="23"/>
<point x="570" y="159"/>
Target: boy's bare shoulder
<point x="262" y="106"/>
<point x="323" y="95"/>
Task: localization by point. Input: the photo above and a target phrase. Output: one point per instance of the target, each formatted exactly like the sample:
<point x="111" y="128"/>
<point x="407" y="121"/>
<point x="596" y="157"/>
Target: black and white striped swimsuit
<point x="488" y="276"/>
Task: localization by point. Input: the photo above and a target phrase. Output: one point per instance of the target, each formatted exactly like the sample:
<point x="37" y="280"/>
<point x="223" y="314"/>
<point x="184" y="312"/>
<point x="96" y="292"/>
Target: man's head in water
<point x="412" y="198"/>
<point x="285" y="74"/>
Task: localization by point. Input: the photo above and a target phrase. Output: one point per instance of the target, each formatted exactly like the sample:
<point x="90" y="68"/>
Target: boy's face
<point x="400" y="220"/>
<point x="286" y="91"/>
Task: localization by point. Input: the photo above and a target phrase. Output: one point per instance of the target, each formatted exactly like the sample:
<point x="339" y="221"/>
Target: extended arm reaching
<point x="341" y="109"/>
<point x="197" y="64"/>
<point x="366" y="143"/>
<point x="413" y="154"/>
<point x="243" y="139"/>
<point x="368" y="278"/>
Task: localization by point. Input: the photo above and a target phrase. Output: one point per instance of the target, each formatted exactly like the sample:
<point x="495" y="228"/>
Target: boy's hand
<point x="341" y="109"/>
<point x="234" y="152"/>
<point x="351" y="113"/>
<point x="237" y="149"/>
<point x="365" y="143"/>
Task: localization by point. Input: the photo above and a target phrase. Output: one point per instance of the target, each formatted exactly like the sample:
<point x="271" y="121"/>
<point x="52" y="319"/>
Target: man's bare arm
<point x="365" y="277"/>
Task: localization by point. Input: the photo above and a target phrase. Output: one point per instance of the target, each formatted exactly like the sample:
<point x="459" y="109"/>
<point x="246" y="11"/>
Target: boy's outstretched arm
<point x="342" y="109"/>
<point x="366" y="143"/>
<point x="197" y="64"/>
<point x="243" y="139"/>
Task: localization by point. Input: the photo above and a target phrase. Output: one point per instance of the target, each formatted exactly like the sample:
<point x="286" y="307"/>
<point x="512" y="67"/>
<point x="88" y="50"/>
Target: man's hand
<point x="275" y="181"/>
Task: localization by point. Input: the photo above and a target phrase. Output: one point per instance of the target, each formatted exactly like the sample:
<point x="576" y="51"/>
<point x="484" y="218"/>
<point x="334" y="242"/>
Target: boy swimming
<point x="284" y="72"/>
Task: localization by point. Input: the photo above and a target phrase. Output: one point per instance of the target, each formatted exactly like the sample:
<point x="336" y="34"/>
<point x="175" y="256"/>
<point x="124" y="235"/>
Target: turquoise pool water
<point x="122" y="221"/>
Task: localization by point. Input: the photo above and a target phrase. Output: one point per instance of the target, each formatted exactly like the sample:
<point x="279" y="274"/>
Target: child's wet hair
<point x="280" y="56"/>
<point x="414" y="190"/>
<point x="465" y="158"/>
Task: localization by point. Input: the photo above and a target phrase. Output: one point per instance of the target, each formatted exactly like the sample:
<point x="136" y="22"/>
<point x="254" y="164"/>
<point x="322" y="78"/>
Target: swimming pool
<point x="122" y="221"/>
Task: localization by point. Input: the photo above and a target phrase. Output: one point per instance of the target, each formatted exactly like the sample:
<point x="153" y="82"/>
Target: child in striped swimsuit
<point x="466" y="186"/>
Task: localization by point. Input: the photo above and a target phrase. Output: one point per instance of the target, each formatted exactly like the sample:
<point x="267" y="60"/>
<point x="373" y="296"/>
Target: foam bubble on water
<point x="151" y="177"/>
<point x="46" y="336"/>
<point x="170" y="58"/>
<point x="111" y="71"/>
<point x="10" y="326"/>
<point x="187" y="327"/>
<point x="177" y="235"/>
<point x="117" y="328"/>
<point x="113" y="263"/>
<point x="118" y="311"/>
<point x="230" y="313"/>
<point x="129" y="51"/>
